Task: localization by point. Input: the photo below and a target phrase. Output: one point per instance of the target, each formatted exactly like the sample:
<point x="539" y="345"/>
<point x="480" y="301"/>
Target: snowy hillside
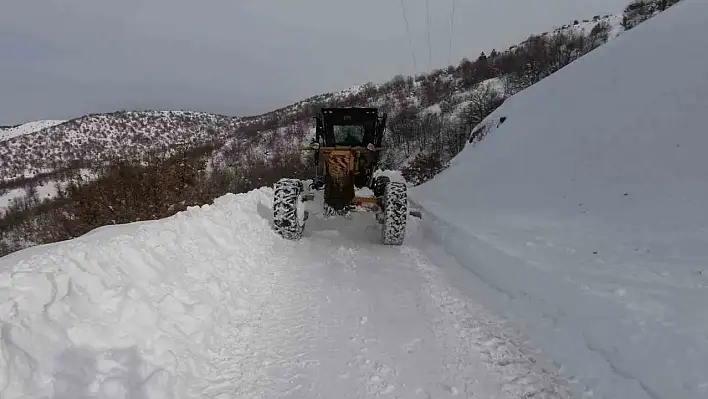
<point x="451" y="100"/>
<point x="45" y="189"/>
<point x="211" y="303"/>
<point x="27" y="128"/>
<point x="102" y="137"/>
<point x="127" y="135"/>
<point x="582" y="214"/>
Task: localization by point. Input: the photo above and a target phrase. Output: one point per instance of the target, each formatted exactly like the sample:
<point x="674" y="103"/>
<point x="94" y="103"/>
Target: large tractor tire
<point x="288" y="209"/>
<point x="379" y="185"/>
<point x="395" y="213"/>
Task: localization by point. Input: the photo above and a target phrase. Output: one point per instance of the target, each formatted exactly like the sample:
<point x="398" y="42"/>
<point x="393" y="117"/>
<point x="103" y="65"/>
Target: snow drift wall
<point x="583" y="215"/>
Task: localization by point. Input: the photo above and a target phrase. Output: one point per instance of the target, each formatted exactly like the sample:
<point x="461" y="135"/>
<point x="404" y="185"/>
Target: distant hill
<point x="8" y="132"/>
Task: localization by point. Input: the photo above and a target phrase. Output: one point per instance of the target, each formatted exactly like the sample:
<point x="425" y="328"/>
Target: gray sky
<point x="64" y="58"/>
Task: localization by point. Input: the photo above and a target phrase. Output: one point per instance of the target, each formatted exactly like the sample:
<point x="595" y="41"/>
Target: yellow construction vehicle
<point x="347" y="147"/>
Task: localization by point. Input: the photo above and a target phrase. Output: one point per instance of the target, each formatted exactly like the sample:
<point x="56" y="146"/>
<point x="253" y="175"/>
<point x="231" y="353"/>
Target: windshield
<point x="350" y="136"/>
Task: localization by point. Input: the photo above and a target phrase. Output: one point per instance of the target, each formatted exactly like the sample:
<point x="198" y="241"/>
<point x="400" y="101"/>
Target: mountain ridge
<point x="65" y="144"/>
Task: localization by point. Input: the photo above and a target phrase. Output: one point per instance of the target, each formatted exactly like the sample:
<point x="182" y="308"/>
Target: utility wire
<point x="430" y="49"/>
<point x="410" y="40"/>
<point x="452" y="25"/>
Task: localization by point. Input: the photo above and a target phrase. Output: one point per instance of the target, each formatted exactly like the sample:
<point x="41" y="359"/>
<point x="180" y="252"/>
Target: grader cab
<point x="347" y="146"/>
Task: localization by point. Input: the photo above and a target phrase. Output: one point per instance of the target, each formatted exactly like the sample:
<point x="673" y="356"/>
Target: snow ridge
<point x="27" y="128"/>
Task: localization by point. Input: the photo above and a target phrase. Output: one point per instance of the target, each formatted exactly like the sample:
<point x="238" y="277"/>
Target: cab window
<point x="350" y="136"/>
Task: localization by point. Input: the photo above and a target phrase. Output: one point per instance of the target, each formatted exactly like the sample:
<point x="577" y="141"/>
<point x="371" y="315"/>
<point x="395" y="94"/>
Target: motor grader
<point x="346" y="149"/>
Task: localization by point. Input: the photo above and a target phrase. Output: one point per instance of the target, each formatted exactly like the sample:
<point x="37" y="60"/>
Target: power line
<point x="410" y="40"/>
<point x="430" y="48"/>
<point x="452" y="25"/>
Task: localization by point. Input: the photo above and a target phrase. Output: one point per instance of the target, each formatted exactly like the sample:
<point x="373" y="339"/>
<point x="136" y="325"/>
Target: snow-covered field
<point x="211" y="303"/>
<point x="27" y="128"/>
<point x="45" y="190"/>
<point x="583" y="218"/>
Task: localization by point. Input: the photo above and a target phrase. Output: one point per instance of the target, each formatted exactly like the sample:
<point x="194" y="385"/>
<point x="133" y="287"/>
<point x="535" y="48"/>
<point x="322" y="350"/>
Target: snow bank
<point x="27" y="128"/>
<point x="138" y="309"/>
<point x="582" y="215"/>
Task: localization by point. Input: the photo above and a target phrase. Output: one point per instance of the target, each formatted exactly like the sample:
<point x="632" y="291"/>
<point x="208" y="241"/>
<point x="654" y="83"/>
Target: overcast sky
<point x="61" y="59"/>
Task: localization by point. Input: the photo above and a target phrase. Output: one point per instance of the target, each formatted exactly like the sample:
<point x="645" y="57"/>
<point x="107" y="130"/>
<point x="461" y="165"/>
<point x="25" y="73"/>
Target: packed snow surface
<point x="582" y="216"/>
<point x="27" y="128"/>
<point x="212" y="303"/>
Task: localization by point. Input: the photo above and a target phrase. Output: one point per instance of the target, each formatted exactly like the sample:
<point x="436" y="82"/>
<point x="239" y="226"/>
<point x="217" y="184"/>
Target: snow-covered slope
<point x="583" y="216"/>
<point x="27" y="128"/>
<point x="211" y="303"/>
<point x="46" y="189"/>
<point x="101" y="137"/>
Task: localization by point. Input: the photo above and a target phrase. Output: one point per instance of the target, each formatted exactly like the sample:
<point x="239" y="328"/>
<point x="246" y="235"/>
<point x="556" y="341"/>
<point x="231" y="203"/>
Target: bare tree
<point x="482" y="102"/>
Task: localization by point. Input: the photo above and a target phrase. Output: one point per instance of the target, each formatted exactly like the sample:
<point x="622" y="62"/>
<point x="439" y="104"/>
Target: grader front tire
<point x="287" y="209"/>
<point x="395" y="213"/>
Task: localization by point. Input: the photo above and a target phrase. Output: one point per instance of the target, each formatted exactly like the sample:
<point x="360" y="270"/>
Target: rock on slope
<point x="583" y="216"/>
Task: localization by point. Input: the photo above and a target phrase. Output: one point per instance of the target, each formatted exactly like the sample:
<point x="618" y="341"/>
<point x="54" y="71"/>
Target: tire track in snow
<point x="390" y="326"/>
<point x="522" y="375"/>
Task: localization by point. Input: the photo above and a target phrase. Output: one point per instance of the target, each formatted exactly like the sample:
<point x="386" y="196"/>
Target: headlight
<point x="371" y="147"/>
<point x="315" y="146"/>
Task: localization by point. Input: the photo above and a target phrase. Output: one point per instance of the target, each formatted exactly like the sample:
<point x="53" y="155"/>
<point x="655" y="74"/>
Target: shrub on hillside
<point x="423" y="168"/>
<point x="435" y="87"/>
<point x="128" y="192"/>
<point x="639" y="11"/>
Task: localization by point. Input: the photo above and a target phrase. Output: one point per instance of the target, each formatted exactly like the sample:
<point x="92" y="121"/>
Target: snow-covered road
<point x="580" y="219"/>
<point x="212" y="304"/>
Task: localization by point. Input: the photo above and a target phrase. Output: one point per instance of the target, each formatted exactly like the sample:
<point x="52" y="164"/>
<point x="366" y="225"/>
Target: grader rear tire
<point x="288" y="213"/>
<point x="395" y="213"/>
